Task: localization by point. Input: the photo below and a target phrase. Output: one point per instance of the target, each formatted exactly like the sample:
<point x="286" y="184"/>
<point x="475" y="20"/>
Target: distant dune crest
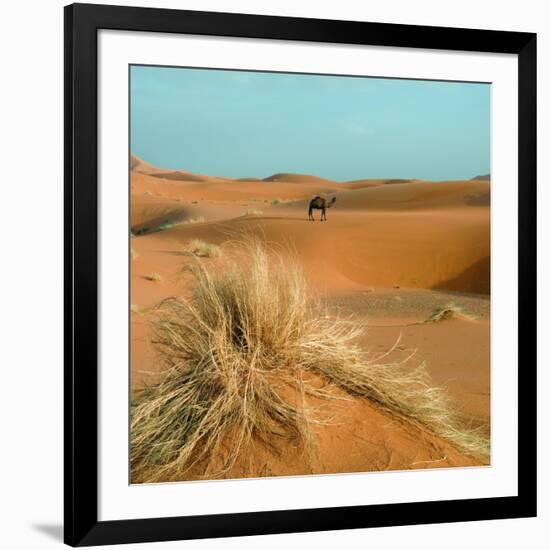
<point x="139" y="166"/>
<point x="297" y="178"/>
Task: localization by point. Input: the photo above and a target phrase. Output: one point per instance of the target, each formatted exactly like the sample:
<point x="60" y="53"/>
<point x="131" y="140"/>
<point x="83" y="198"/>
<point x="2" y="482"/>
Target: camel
<point x="319" y="203"/>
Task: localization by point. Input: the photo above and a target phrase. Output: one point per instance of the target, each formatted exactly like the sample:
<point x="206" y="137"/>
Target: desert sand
<point x="393" y="252"/>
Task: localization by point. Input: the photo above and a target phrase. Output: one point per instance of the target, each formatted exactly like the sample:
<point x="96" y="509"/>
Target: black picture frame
<point x="81" y="25"/>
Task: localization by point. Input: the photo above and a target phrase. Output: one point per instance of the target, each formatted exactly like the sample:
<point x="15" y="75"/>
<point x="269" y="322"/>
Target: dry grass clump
<point x="275" y="202"/>
<point x="155" y="226"/>
<point x="233" y="351"/>
<point x="450" y="311"/>
<point x="154" y="277"/>
<point x="200" y="219"/>
<point x="134" y="308"/>
<point x="202" y="249"/>
<point x="253" y="212"/>
<point x="133" y="254"/>
<point x="168" y="225"/>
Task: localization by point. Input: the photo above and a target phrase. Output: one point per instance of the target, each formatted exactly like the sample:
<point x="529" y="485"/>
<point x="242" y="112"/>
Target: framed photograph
<point x="299" y="274"/>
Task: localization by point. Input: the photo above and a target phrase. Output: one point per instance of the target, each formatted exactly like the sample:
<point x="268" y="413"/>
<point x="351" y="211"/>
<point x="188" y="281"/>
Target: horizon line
<point x="410" y="179"/>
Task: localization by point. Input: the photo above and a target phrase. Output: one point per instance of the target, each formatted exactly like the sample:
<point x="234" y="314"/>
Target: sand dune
<point x="413" y="196"/>
<point x="226" y="191"/>
<point x="180" y="175"/>
<point x="443" y="349"/>
<point x="153" y="211"/>
<point x="298" y="178"/>
<point x="391" y="251"/>
<point x="361" y="438"/>
<point x="361" y="184"/>
<point x="431" y="238"/>
<point x="140" y="166"/>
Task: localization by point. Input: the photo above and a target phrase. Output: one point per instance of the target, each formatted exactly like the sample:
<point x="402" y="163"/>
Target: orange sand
<point x="397" y="243"/>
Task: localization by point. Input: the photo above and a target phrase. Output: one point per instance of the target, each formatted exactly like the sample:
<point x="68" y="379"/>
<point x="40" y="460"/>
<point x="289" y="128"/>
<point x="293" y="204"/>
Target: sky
<point x="254" y="124"/>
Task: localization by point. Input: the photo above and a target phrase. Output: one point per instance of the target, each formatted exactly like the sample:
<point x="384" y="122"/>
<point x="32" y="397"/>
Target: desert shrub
<point x="450" y="311"/>
<point x="167" y="225"/>
<point x="232" y="351"/>
<point x="200" y="219"/>
<point x="155" y="277"/>
<point x="144" y="230"/>
<point x="202" y="249"/>
<point x="253" y="212"/>
<point x="280" y="201"/>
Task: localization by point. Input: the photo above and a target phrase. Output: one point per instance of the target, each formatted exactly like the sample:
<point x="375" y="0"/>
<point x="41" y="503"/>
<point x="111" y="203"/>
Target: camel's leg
<point x="324" y="215"/>
<point x="310" y="215"/>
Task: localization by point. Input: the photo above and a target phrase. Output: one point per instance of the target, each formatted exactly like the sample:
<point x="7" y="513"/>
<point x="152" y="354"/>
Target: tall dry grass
<point x="232" y="353"/>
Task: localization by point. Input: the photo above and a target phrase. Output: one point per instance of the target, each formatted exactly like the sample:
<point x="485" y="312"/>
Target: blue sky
<point x="254" y="124"/>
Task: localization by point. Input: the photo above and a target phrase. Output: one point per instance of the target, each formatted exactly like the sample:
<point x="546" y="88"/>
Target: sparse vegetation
<point x="134" y="308"/>
<point x="168" y="225"/>
<point x="450" y="311"/>
<point x="202" y="249"/>
<point x="144" y="230"/>
<point x="274" y="202"/>
<point x="253" y="212"/>
<point x="247" y="339"/>
<point x="154" y="277"/>
<point x="200" y="219"/>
